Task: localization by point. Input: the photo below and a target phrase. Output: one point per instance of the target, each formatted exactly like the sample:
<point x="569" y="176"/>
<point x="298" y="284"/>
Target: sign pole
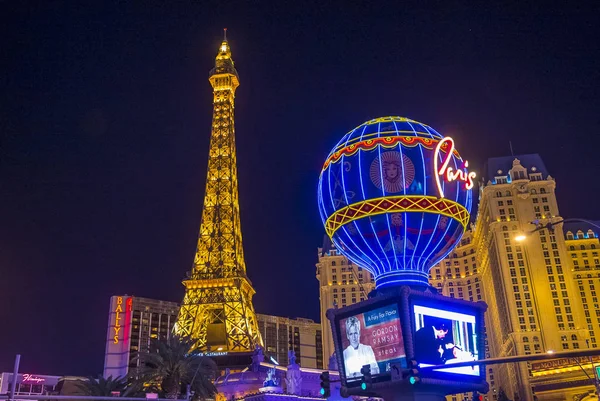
<point x="13" y="383"/>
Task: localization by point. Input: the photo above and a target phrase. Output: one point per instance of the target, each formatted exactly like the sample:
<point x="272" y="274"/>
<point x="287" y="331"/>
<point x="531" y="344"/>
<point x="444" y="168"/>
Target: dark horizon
<point x="105" y="121"/>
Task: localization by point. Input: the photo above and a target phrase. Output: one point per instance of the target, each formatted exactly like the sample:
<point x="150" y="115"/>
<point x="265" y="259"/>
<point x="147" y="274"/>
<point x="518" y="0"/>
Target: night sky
<point x="105" y="112"/>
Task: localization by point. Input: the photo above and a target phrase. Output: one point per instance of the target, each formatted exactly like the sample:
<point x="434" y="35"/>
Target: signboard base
<point x="397" y="332"/>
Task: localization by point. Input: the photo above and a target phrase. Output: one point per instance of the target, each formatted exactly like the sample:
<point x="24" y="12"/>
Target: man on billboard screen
<point x="372" y="338"/>
<point x="444" y="337"/>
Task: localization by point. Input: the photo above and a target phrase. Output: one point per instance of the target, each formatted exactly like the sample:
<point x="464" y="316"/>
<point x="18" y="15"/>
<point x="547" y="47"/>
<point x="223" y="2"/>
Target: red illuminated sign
<point x="448" y="172"/>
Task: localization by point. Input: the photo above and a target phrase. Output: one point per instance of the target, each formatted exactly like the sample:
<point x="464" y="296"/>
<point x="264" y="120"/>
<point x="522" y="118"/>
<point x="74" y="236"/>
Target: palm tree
<point x="102" y="387"/>
<point x="175" y="364"/>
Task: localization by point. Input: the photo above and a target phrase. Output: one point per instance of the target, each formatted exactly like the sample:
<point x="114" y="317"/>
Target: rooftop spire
<point x="223" y="61"/>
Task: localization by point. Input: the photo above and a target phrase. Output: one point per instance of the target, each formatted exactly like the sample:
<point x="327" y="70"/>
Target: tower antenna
<point x="225" y="34"/>
<point x="511" y="149"/>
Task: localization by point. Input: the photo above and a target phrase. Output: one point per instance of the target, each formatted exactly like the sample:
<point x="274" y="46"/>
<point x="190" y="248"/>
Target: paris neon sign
<point x="446" y="172"/>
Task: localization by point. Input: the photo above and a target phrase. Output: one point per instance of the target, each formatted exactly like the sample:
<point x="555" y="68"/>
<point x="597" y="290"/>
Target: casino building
<point x="538" y="300"/>
<point x="282" y="334"/>
<point x="34" y="385"/>
<point x="340" y="284"/>
<point x="134" y="321"/>
<point x="541" y="292"/>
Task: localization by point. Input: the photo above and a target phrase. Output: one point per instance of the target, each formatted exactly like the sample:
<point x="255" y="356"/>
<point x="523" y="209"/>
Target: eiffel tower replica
<point x="217" y="308"/>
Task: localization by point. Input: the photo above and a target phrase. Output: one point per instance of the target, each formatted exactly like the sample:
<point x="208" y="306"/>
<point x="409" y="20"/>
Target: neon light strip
<point x="362" y="188"/>
<point x="371" y="262"/>
<point x="382" y="181"/>
<point x="388" y="142"/>
<point x="392" y="204"/>
<point x="457" y="193"/>
<point x="392" y="119"/>
<point x="416" y="245"/>
<point x="438" y="217"/>
<point x="439" y="171"/>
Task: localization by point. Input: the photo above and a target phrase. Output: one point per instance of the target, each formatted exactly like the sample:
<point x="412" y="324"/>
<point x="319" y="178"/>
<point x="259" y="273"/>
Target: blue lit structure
<point x="395" y="198"/>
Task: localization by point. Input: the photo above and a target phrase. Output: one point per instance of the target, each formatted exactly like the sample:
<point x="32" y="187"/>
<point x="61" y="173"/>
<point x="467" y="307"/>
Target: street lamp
<point x="550" y="227"/>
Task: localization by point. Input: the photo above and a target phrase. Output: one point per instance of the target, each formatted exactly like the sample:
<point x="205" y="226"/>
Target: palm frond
<point x="175" y="363"/>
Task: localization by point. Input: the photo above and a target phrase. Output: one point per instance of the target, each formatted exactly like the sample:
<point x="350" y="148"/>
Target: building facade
<point x="458" y="276"/>
<point x="29" y="384"/>
<point x="132" y="323"/>
<point x="303" y="336"/>
<point x="531" y="287"/>
<point x="541" y="291"/>
<point x="341" y="283"/>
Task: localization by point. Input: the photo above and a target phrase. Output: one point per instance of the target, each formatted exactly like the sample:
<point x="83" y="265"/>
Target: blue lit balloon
<point x="395" y="198"/>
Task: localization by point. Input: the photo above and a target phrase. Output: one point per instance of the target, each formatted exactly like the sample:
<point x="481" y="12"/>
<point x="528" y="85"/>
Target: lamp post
<point x="539" y="225"/>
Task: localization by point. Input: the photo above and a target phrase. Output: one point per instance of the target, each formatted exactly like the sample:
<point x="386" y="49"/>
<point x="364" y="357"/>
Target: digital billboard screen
<point x="372" y="338"/>
<point x="444" y="337"/>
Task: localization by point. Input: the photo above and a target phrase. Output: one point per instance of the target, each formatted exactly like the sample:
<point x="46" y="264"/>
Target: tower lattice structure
<point x="217" y="307"/>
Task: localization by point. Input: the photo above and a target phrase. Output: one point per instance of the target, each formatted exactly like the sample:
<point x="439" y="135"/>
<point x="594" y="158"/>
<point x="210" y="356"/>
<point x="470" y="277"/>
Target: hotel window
<point x="500" y="203"/>
<point x="535" y="200"/>
<point x="544" y="199"/>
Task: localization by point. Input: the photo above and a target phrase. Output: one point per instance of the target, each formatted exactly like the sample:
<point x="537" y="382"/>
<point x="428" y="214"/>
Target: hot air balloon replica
<point x="395" y="197"/>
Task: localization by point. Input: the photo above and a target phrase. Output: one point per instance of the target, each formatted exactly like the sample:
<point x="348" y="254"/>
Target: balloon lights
<point x="395" y="197"/>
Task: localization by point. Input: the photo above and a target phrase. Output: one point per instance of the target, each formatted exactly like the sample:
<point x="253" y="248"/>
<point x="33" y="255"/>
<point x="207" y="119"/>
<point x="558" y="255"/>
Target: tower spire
<point x="217" y="307"/>
<point x="224" y="34"/>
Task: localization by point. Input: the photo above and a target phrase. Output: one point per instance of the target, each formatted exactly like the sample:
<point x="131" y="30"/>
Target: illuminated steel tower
<point x="217" y="308"/>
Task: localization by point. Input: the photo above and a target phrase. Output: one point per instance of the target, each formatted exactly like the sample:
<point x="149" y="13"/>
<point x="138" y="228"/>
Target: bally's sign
<point x="119" y="311"/>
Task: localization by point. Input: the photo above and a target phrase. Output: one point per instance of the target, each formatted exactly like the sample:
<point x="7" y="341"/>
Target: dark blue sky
<point x="105" y="113"/>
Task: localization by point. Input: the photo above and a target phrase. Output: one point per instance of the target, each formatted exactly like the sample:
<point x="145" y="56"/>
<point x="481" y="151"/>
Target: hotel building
<point x="132" y="323"/>
<point x="541" y="291"/>
<point x="281" y="334"/>
<point x="33" y="385"/>
<point x="341" y="283"/>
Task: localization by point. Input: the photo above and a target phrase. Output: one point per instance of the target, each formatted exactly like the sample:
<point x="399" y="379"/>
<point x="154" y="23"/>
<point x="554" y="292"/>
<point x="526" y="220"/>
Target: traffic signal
<point x="412" y="373"/>
<point x="367" y="380"/>
<point x="325" y="384"/>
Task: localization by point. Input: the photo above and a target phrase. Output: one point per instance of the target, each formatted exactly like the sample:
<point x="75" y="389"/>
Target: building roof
<point x="584" y="226"/>
<point x="505" y="163"/>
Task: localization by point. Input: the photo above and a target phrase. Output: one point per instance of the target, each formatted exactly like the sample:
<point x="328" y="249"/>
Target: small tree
<point x="102" y="387"/>
<point x="173" y="365"/>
